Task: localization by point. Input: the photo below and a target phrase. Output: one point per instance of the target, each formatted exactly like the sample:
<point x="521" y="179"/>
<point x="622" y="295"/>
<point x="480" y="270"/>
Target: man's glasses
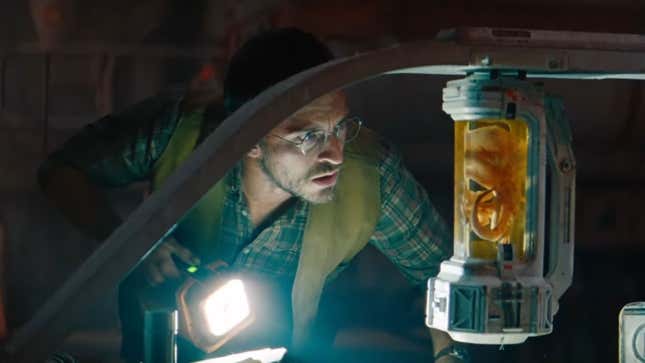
<point x="313" y="141"/>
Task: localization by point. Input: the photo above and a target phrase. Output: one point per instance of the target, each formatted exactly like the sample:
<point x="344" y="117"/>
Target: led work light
<point x="213" y="307"/>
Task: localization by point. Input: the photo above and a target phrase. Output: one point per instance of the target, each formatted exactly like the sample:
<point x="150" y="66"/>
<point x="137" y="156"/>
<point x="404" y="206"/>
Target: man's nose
<point x="333" y="151"/>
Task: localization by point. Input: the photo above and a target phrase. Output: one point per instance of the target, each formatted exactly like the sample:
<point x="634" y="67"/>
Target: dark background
<point x="65" y="63"/>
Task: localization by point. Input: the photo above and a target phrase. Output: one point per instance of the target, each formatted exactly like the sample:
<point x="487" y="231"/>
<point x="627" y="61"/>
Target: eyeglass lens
<point x="345" y="131"/>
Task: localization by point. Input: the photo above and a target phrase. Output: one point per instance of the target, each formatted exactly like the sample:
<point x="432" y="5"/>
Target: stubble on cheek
<point x="281" y="171"/>
<point x="293" y="173"/>
<point x="290" y="177"/>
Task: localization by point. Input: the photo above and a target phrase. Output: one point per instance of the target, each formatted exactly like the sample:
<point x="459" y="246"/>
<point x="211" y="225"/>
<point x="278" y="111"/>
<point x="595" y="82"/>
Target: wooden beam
<point x="406" y="20"/>
<point x="118" y="49"/>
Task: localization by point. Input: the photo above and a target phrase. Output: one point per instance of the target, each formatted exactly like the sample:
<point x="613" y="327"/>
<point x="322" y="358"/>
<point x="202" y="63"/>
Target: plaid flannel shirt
<point x="121" y="149"/>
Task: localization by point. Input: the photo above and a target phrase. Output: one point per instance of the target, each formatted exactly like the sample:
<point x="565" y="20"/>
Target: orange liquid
<point x="490" y="187"/>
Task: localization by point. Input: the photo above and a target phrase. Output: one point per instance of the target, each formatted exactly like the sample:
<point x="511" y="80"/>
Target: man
<point x="294" y="198"/>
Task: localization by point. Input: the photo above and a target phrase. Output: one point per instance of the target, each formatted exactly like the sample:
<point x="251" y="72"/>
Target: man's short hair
<point x="267" y="59"/>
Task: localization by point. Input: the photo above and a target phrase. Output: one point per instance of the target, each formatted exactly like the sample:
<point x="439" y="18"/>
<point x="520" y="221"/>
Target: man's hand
<point x="159" y="266"/>
<point x="446" y="350"/>
<point x="453" y="354"/>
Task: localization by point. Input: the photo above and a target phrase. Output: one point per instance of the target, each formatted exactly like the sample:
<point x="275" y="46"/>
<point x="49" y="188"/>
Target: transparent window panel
<point x="490" y="187"/>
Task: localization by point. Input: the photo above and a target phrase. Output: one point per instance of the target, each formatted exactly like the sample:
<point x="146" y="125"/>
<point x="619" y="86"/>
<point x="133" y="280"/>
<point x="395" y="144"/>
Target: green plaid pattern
<point x="118" y="150"/>
<point x="410" y="232"/>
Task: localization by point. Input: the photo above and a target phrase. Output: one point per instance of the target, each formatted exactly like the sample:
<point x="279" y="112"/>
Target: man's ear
<point x="255" y="152"/>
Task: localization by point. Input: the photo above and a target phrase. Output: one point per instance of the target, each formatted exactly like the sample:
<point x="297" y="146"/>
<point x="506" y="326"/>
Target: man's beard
<point x="296" y="185"/>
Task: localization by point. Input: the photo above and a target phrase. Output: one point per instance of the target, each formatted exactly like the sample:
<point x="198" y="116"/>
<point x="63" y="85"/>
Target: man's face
<point x="311" y="176"/>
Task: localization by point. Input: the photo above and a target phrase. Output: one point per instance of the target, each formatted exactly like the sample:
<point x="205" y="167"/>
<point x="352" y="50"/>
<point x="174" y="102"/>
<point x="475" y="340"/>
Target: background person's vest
<point x="335" y="232"/>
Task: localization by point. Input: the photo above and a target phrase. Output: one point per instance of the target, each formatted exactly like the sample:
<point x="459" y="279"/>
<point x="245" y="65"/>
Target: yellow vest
<point x="335" y="232"/>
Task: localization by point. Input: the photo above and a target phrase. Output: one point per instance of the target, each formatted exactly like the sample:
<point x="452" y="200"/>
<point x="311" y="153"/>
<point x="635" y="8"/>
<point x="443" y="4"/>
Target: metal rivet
<point x="565" y="166"/>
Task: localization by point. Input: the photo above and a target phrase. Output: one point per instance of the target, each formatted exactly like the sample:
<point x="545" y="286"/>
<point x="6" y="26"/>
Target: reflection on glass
<point x="490" y="184"/>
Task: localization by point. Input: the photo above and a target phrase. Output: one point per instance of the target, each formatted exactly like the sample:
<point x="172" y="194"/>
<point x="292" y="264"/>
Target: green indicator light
<point x="192" y="269"/>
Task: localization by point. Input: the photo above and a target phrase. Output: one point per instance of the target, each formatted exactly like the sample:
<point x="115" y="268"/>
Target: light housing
<point x="213" y="311"/>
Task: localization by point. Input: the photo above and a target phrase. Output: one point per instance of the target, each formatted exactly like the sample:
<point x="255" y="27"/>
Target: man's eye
<point x="310" y="137"/>
<point x="341" y="128"/>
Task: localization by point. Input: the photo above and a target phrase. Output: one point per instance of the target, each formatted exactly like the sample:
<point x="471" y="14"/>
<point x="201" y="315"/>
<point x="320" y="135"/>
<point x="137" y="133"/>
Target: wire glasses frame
<point x="315" y="140"/>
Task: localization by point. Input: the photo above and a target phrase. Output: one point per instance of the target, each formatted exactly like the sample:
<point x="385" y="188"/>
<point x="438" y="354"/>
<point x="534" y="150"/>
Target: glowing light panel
<point x="227" y="307"/>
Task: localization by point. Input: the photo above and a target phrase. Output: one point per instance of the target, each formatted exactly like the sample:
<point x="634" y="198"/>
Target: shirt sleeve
<point x="122" y="148"/>
<point x="410" y="232"/>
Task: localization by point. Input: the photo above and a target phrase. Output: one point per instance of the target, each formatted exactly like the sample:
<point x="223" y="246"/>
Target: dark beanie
<point x="267" y="59"/>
